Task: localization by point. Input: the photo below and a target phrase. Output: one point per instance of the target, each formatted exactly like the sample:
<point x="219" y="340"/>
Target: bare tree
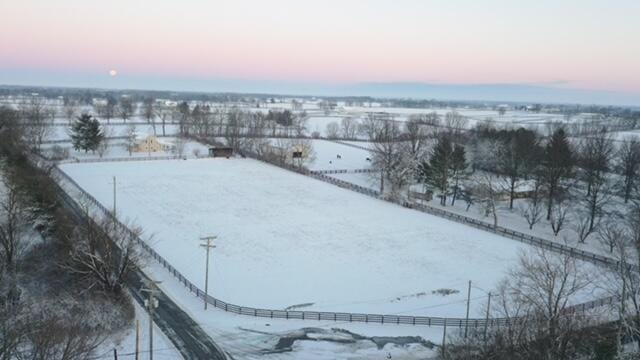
<point x="623" y="281"/>
<point x="103" y="146"/>
<point x="70" y="109"/>
<point x="234" y="129"/>
<point x="164" y="113"/>
<point x="536" y="300"/>
<point x="487" y="191"/>
<point x="349" y="127"/>
<point x="103" y="254"/>
<point x="12" y="223"/>
<point x="416" y="136"/>
<point x="130" y="138"/>
<point x="548" y="283"/>
<point x="305" y="148"/>
<point x="333" y="130"/>
<point x="610" y="234"/>
<point x="455" y="123"/>
<point x="558" y="217"/>
<point x="148" y="110"/>
<point x="300" y="123"/>
<point x="628" y="156"/>
<point x="594" y="158"/>
<point x="388" y="155"/>
<point x="532" y="212"/>
<point x="581" y="226"/>
<point x="13" y="329"/>
<point x="38" y="118"/>
<point x="125" y="108"/>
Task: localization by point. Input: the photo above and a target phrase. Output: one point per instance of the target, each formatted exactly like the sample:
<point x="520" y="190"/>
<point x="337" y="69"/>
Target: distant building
<point x="99" y="102"/>
<point x="219" y="151"/>
<point x="150" y="144"/>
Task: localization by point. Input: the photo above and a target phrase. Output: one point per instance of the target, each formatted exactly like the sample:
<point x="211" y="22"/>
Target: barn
<point x="148" y="144"/>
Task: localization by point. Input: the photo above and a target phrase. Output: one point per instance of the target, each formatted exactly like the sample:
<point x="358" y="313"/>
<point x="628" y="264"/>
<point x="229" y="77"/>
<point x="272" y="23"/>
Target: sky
<point x="571" y="50"/>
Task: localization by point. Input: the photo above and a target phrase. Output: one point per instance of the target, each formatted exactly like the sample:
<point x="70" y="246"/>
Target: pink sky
<point x="585" y="44"/>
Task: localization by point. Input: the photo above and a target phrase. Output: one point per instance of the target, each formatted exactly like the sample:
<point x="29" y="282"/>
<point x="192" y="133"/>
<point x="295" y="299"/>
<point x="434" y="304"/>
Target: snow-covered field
<point x="286" y="239"/>
<point x="326" y="156"/>
<point x="246" y="337"/>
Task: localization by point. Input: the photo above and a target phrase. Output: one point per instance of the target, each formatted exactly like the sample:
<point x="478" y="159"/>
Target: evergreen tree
<point x="459" y="167"/>
<point x="557" y="163"/>
<point x="518" y="156"/>
<point x="86" y="133"/>
<point x="437" y="171"/>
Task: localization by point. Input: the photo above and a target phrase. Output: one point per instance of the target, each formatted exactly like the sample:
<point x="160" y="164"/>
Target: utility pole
<point x="152" y="303"/>
<point x="115" y="354"/>
<point x="114" y="196"/>
<point x="486" y="319"/>
<point x="466" y="326"/>
<point x="207" y="245"/>
<point x="444" y="340"/>
<point x="137" y="339"/>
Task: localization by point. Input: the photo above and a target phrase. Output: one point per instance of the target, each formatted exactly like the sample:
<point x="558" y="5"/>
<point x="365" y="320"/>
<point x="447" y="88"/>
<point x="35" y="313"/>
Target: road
<point x="185" y="334"/>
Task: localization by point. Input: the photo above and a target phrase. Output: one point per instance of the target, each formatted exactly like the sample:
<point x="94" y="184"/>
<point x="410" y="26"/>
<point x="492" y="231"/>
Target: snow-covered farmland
<point x="330" y="155"/>
<point x="286" y="240"/>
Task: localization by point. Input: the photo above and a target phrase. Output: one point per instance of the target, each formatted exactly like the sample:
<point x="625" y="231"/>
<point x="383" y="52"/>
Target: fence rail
<point x="120" y="159"/>
<point x="63" y="178"/>
<point x="429" y="209"/>
<point x="344" y="171"/>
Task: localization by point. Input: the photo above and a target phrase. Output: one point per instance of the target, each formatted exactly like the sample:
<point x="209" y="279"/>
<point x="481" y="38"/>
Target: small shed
<point x="218" y="151"/>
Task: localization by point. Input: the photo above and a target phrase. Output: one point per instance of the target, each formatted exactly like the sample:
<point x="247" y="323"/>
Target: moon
<point x="113" y="73"/>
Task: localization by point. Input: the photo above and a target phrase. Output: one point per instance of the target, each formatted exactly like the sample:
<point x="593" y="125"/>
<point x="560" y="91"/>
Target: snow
<point x="114" y="128"/>
<point x="326" y="156"/>
<point x="246" y="337"/>
<point x="118" y="149"/>
<point x="286" y="239"/>
<point x="367" y="180"/>
<point x="125" y="343"/>
<point x="319" y="123"/>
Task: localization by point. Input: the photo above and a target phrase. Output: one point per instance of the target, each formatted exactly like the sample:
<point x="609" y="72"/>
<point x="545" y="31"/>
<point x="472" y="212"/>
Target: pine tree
<point x="94" y="135"/>
<point x="437" y="171"/>
<point x="557" y="163"/>
<point x="459" y="167"/>
<point x="86" y="133"/>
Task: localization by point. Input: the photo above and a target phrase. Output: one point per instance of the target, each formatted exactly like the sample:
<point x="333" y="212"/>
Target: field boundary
<point x="502" y="231"/>
<point x="344" y="171"/>
<point x="63" y="178"/>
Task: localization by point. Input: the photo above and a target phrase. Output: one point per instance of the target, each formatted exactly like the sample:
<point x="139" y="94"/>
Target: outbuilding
<point x="219" y="151"/>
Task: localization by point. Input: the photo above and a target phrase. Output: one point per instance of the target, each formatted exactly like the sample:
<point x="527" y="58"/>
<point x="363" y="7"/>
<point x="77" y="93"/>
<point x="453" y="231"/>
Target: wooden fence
<point x="429" y="209"/>
<point x="344" y="171"/>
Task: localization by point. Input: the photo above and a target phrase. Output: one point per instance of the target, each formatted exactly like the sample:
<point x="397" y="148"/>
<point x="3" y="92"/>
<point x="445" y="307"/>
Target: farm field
<point x="288" y="241"/>
<point x="326" y="156"/>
